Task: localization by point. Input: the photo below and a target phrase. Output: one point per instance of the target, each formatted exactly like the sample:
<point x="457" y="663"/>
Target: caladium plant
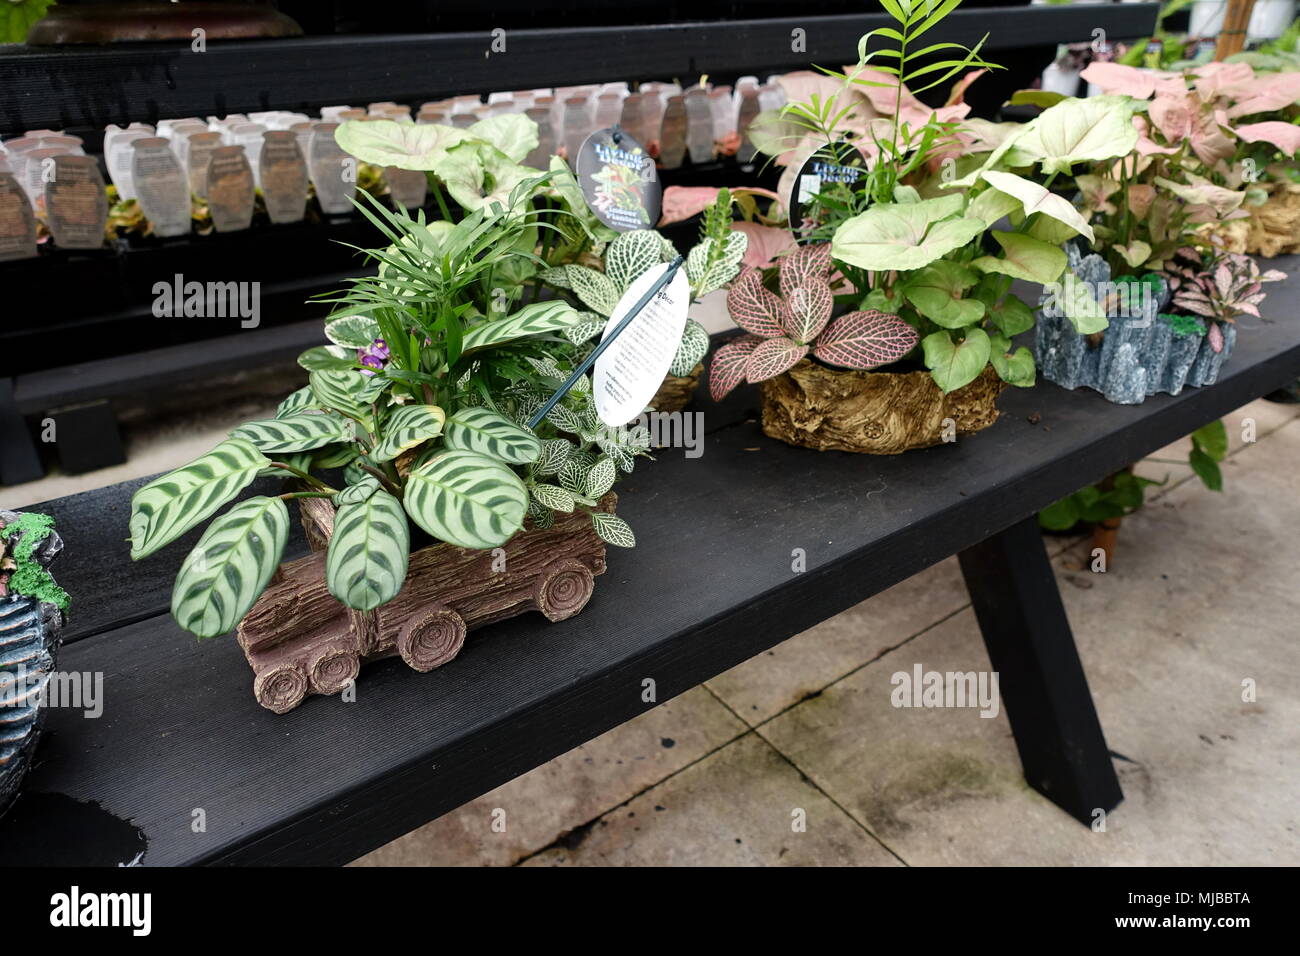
<point x="1218" y="286"/>
<point x="423" y="401"/>
<point x="782" y="330"/>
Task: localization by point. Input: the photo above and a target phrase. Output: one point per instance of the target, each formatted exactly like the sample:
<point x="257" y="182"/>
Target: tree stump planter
<point x="677" y="391"/>
<point x="299" y="640"/>
<point x="1272" y="229"/>
<point x="874" y="413"/>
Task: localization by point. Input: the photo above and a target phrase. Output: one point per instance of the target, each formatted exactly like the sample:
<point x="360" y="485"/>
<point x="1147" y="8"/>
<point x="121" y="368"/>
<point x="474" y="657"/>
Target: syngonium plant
<point x="711" y="264"/>
<point x="423" y="402"/>
<point x="918" y="249"/>
<point x="782" y="330"/>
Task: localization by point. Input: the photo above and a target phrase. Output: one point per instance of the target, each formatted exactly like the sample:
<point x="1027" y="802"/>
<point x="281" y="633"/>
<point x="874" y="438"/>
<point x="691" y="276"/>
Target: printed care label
<point x="619" y="180"/>
<point x="830" y="165"/>
<point x="630" y="371"/>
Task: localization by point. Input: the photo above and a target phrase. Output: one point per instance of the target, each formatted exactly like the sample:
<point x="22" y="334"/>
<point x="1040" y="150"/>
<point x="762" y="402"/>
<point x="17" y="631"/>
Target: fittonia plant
<point x="711" y="264"/>
<point x="784" y="329"/>
<point x="427" y="430"/>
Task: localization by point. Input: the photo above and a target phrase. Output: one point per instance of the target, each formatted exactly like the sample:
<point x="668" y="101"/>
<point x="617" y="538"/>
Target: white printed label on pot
<point x="630" y="371"/>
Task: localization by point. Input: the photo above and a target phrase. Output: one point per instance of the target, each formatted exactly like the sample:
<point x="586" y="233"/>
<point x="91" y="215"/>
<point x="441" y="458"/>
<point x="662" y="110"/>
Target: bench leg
<point x="1020" y="613"/>
<point x="19" y="460"/>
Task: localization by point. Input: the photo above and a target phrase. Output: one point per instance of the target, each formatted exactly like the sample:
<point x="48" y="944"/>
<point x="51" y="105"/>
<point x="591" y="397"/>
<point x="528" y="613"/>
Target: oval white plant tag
<point x="630" y="371"/>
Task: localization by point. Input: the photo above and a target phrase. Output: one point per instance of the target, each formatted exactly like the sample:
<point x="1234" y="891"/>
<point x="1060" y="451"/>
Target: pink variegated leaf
<point x="1285" y="136"/>
<point x="1273" y="275"/>
<point x="809" y="309"/>
<point x="1199" y="308"/>
<point x="773" y="357"/>
<point x="1223" y="279"/>
<point x="1250" y="308"/>
<point x="1215" y="335"/>
<point x="864" y="340"/>
<point x="808" y="262"/>
<point x="727" y="369"/>
<point x="754" y="308"/>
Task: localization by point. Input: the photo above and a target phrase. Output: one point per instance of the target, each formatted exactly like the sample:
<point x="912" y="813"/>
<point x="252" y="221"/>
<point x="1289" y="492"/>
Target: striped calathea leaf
<point x="303" y="431"/>
<point x="230" y="566"/>
<point x="466" y="499"/>
<point x="365" y="565"/>
<point x="346" y="390"/>
<point x="297" y="402"/>
<point x="490" y="433"/>
<point x="534" y="319"/>
<point x="168" y="506"/>
<point x="406" y="428"/>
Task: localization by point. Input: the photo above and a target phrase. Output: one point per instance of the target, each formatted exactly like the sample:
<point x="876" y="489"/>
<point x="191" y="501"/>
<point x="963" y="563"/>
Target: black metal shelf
<point x="80" y="87"/>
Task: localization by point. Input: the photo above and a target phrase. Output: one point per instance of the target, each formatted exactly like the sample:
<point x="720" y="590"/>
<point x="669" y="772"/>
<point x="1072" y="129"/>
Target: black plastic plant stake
<point x="590" y="360"/>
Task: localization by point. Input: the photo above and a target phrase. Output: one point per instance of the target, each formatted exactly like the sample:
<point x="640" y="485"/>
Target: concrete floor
<point x="797" y="757"/>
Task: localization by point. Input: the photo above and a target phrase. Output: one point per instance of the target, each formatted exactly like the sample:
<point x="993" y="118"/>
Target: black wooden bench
<point x="709" y="585"/>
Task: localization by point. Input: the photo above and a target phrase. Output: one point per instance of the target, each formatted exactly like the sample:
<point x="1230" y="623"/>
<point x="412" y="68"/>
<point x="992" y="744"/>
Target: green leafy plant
<point x="1124" y="492"/>
<point x="423" y="401"/>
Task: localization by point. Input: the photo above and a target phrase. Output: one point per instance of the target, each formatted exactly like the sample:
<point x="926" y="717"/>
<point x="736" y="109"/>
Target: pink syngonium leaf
<point x="772" y="357"/>
<point x="808" y="263"/>
<point x="727" y="370"/>
<point x="1230" y="80"/>
<point x="1115" y="78"/>
<point x="809" y="308"/>
<point x="682" y="202"/>
<point x="1267" y="94"/>
<point x="865" y="340"/>
<point x="1284" y="136"/>
<point x="766" y="243"/>
<point x="754" y="308"/>
<point x="1172" y="115"/>
<point x="1209" y="142"/>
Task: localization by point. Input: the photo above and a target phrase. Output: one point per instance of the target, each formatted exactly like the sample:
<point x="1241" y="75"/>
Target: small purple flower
<point x="374" y="357"/>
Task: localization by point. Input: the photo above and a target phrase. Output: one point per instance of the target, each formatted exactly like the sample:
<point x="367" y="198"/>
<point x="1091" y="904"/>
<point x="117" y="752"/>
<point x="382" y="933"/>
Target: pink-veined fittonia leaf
<point x="808" y="262"/>
<point x="808" y="310"/>
<point x="754" y="308"/>
<point x="864" y="340"/>
<point x="728" y="367"/>
<point x="772" y="357"/>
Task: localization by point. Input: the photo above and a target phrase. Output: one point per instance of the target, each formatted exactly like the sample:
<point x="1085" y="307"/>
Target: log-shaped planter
<point x="677" y="391"/>
<point x="875" y="413"/>
<point x="299" y="640"/>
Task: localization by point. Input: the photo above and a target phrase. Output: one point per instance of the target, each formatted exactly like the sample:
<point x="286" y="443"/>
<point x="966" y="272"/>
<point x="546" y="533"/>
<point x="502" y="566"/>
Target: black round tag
<point x="619" y="180"/>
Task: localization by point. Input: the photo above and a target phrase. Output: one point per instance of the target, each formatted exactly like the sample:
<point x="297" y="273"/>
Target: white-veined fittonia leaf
<point x="230" y="566"/>
<point x="168" y="506"/>
<point x="553" y="497"/>
<point x="406" y="428"/>
<point x="691" y="351"/>
<point x="369" y="550"/>
<point x="488" y="433"/>
<point x="466" y="499"/>
<point x="555" y="452"/>
<point x="631" y="255"/>
<point x="601" y="477"/>
<point x="613" y="530"/>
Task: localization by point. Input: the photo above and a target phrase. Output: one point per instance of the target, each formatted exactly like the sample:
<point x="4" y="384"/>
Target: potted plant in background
<point x="1110" y="325"/>
<point x="423" y="402"/>
<point x="908" y="245"/>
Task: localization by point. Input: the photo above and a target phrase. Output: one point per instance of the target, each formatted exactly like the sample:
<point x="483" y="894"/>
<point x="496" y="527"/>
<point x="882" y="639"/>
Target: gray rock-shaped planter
<point x="30" y="632"/>
<point x="1139" y="354"/>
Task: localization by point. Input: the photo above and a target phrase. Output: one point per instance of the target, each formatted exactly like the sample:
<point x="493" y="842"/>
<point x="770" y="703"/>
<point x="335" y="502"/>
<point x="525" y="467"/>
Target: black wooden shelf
<point x="708" y="586"/>
<point x="74" y="88"/>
